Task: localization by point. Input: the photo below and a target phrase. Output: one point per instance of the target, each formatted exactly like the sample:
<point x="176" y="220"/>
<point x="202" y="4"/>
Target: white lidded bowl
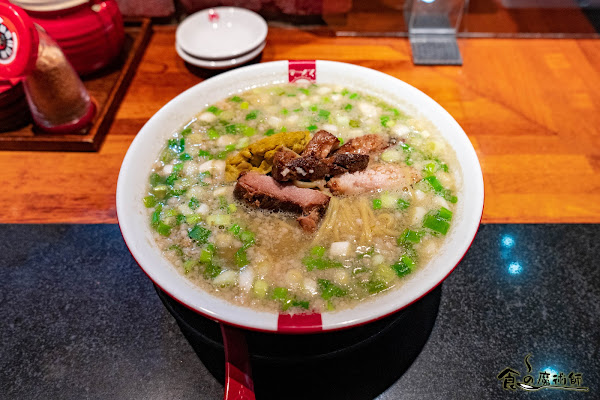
<point x="145" y="148"/>
<point x="221" y="33"/>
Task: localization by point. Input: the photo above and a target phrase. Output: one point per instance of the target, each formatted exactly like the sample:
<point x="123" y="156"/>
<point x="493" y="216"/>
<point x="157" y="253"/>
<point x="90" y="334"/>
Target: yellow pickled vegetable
<point x="259" y="155"/>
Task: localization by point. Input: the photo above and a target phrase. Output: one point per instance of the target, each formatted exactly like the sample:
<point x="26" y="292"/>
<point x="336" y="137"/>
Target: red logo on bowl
<point x="213" y="16"/>
<point x="302" y="70"/>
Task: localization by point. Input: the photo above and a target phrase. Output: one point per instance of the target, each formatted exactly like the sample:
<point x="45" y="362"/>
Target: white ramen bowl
<point x="145" y="148"/>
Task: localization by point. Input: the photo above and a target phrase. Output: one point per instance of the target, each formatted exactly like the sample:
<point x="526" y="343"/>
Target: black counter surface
<point x="80" y="320"/>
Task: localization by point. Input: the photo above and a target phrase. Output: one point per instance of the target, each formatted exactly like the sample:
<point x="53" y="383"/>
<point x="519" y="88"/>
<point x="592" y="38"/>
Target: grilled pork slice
<point x="380" y="176"/>
<point x="367" y="144"/>
<point x="287" y="166"/>
<point x="316" y="162"/>
<point x="321" y="144"/>
<point x="264" y="192"/>
<point x="340" y="163"/>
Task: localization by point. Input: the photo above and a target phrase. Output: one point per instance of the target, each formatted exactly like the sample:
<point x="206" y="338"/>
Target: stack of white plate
<point x="221" y="37"/>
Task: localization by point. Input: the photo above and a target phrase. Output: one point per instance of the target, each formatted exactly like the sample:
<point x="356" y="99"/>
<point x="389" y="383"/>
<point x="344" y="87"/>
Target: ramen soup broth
<point x="364" y="244"/>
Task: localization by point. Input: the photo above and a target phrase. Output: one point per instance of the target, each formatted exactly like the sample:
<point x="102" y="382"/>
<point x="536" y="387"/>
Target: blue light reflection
<point x="515" y="268"/>
<point x="507" y="241"/>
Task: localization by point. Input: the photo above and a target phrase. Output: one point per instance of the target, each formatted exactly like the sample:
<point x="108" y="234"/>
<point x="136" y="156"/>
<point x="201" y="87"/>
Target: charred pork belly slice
<point x="288" y="166"/>
<point x="264" y="192"/>
<point x="380" y="176"/>
<point x="315" y="162"/>
<point x="321" y="144"/>
<point x="367" y="144"/>
<point x="340" y="163"/>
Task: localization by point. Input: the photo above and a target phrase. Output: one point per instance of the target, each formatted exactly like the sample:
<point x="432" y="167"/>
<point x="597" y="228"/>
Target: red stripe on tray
<point x="302" y="70"/>
<point x="299" y="323"/>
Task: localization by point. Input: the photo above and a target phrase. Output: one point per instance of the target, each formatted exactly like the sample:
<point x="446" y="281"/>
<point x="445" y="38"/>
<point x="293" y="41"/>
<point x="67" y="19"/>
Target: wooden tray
<point x="107" y="87"/>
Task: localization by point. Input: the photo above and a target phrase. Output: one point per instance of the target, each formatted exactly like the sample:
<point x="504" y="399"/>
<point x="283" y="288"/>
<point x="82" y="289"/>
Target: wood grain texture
<point x="530" y="107"/>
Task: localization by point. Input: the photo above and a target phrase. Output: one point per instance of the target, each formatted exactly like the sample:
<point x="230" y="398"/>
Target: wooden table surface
<point x="530" y="107"/>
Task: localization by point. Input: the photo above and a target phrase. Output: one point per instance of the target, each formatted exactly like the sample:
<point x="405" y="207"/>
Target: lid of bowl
<point x="221" y="33"/>
<point x="48" y="5"/>
<point x="18" y="42"/>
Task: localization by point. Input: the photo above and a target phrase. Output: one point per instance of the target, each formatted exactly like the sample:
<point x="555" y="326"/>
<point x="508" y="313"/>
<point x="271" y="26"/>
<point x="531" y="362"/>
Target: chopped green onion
<point x="320" y="263"/>
<point x="193" y="219"/>
<point x="345" y="92"/>
<point x="176" y="249"/>
<point x="435" y="183"/>
<point x="270" y="132"/>
<point x="279" y="293"/>
<point x="172" y="178"/>
<point x="199" y="234"/>
<point x="375" y="286"/>
<point x="175" y="193"/>
<point x="163" y="229"/>
<point x="150" y="201"/>
<point x="204" y="153"/>
<point x="251" y="115"/>
<point x="329" y="290"/>
<point x="354" y="123"/>
<point x="384" y="119"/>
<point x="445" y="214"/>
<point x="247" y="237"/>
<point x="376" y="204"/>
<point x="244" y="105"/>
<point x="260" y="288"/>
<point x="311" y="128"/>
<point x="235" y="229"/>
<point x="188" y="265"/>
<point x="285" y="111"/>
<point x="236" y="99"/>
<point x="186" y="131"/>
<point x="231" y="208"/>
<point x="212" y="134"/>
<point x="214" y="110"/>
<point x="435" y="223"/>
<point x="353" y="96"/>
<point x="430" y="168"/>
<point x="248" y="130"/>
<point x="185" y="157"/>
<point x="324" y="113"/>
<point x="194" y="203"/>
<point x="348" y="107"/>
<point x="404" y="266"/>
<point x="155" y="179"/>
<point x="241" y="258"/>
<point x="313" y="108"/>
<point x="305" y="91"/>
<point x="177" y="145"/>
<point x="317" y="251"/>
<point x="409" y="236"/>
<point x="211" y="271"/>
<point x="206" y="256"/>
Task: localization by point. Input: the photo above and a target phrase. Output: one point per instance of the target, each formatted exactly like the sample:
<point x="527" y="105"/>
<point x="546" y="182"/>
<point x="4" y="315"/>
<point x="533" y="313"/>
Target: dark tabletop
<point x="79" y="319"/>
